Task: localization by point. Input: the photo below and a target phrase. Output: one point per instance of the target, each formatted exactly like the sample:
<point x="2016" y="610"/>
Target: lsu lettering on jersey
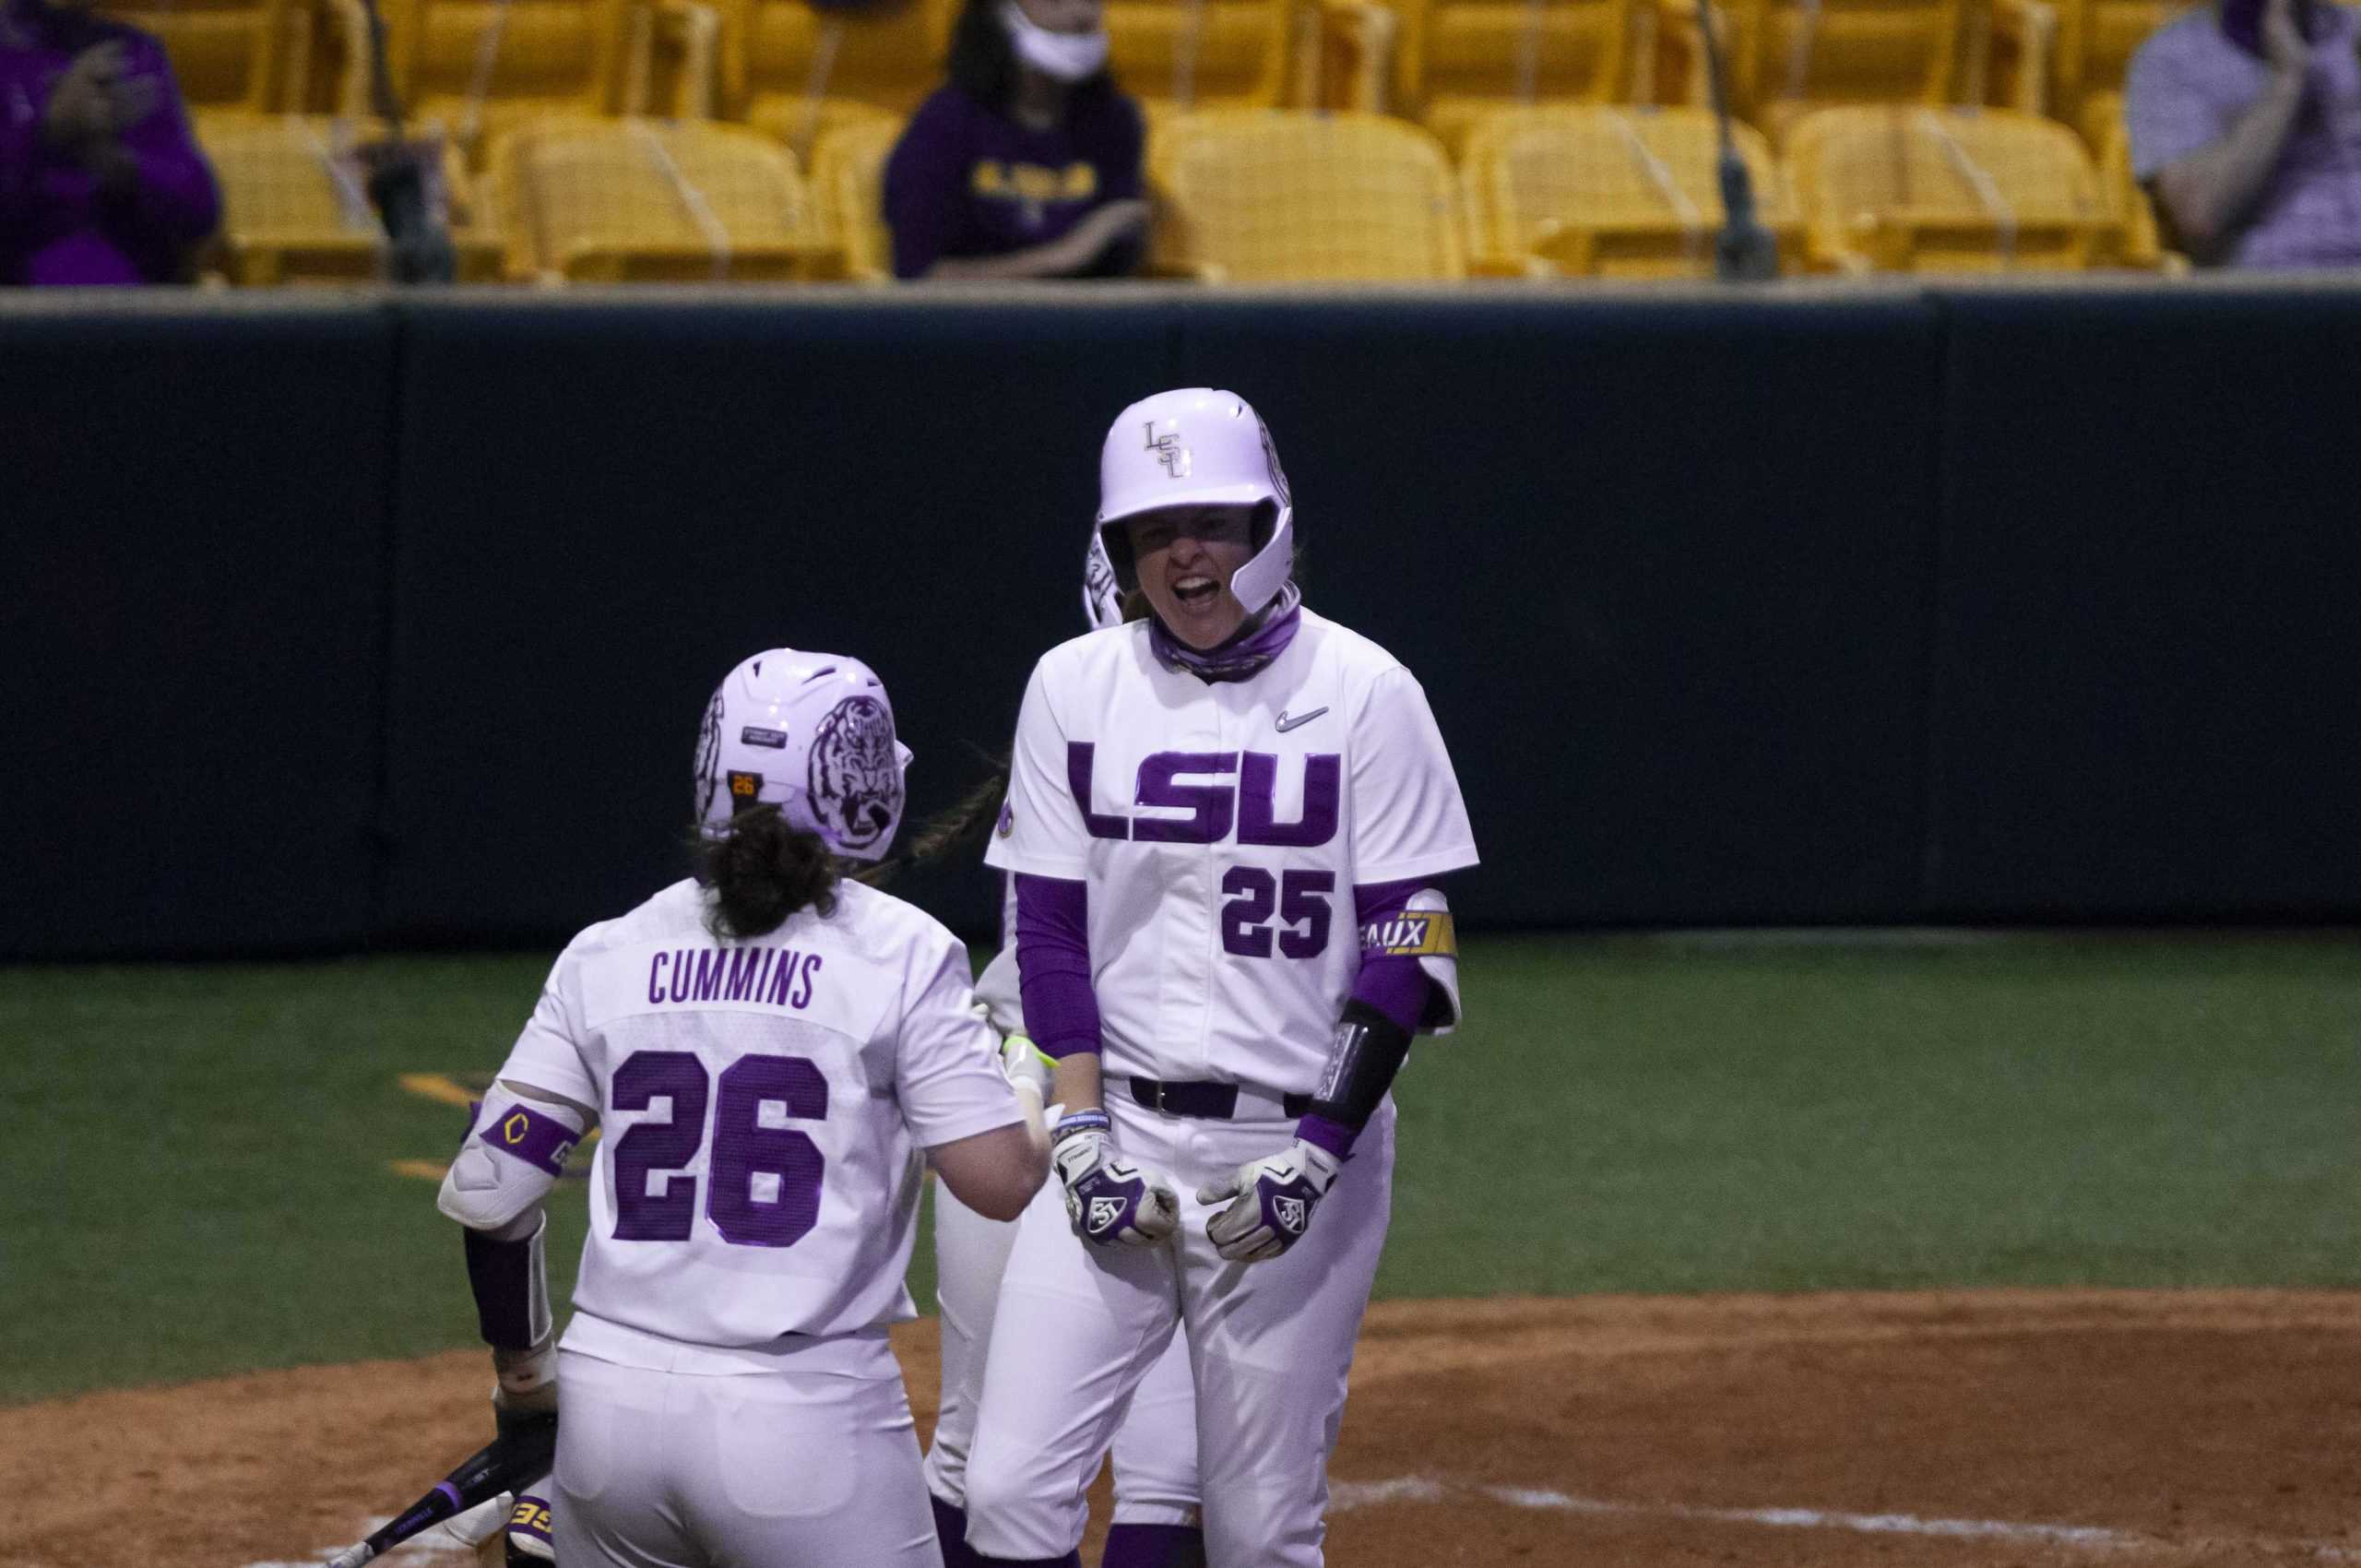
<point x="762" y="1104"/>
<point x="1221" y="828"/>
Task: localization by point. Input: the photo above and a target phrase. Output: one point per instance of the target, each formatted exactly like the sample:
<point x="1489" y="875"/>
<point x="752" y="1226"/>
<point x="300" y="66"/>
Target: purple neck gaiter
<point x="2242" y="23"/>
<point x="1249" y="649"/>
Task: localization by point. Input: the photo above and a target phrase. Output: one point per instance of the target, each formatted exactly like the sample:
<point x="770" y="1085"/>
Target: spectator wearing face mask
<point x="100" y="181"/>
<point x="1027" y="163"/>
<point x="2245" y="118"/>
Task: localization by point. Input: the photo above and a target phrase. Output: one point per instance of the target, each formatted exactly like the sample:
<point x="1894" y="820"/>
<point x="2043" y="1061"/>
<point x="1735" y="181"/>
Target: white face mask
<point x="1066" y="56"/>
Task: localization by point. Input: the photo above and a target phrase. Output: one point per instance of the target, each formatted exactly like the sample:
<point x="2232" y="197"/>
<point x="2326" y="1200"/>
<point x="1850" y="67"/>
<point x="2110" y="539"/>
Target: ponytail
<point x="762" y="871"/>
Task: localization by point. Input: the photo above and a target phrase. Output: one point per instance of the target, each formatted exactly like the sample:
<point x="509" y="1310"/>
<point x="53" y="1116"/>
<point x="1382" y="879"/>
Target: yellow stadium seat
<point x="295" y="205"/>
<point x="848" y="181"/>
<point x="1895" y="189"/>
<point x="476" y="69"/>
<point x="1789" y="57"/>
<point x="1290" y="196"/>
<point x="643" y="201"/>
<point x="2081" y="50"/>
<point x="252" y="56"/>
<point x="2139" y="238"/>
<point x="796" y="73"/>
<point x="1458" y="60"/>
<point x="1202" y="53"/>
<point x="1610" y="192"/>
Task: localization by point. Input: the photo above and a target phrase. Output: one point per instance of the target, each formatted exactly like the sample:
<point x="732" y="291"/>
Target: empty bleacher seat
<point x="1458" y="60"/>
<point x="640" y="201"/>
<point x="1204" y="54"/>
<point x="1290" y="196"/>
<point x="1609" y="191"/>
<point x="1899" y="189"/>
<point x="295" y="205"/>
<point x="797" y="72"/>
<point x="1789" y="57"/>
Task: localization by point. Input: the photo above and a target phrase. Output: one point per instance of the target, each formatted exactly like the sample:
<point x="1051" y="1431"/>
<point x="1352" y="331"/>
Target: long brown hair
<point x="761" y="870"/>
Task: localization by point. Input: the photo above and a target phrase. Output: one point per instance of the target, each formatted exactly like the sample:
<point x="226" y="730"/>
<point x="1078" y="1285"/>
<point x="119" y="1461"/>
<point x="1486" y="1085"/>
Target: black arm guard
<point x="1367" y="1050"/>
<point x="511" y="1288"/>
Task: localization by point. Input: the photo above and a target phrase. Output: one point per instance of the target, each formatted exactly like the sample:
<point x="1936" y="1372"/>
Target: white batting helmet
<point x="1197" y="448"/>
<point x="812" y="734"/>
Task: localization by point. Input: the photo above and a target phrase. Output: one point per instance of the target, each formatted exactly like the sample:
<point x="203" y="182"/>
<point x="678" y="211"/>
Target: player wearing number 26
<point x="1225" y="825"/>
<point x="769" y="1048"/>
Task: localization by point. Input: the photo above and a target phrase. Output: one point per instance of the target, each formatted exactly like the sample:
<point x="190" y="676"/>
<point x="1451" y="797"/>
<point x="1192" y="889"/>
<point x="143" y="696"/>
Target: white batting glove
<point x="1023" y="1063"/>
<point x="1276" y="1197"/>
<point x="1110" y="1200"/>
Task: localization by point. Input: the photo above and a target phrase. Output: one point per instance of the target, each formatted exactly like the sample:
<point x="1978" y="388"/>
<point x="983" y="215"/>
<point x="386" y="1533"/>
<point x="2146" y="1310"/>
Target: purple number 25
<point x="742" y="1149"/>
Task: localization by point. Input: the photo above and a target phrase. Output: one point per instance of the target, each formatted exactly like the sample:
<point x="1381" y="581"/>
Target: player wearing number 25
<point x="1225" y="825"/>
<point x="769" y="1048"/>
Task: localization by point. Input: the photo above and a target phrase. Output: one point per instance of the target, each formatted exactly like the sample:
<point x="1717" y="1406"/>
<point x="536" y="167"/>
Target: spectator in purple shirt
<point x="1027" y="163"/>
<point x="100" y="181"/>
<point x="2245" y="118"/>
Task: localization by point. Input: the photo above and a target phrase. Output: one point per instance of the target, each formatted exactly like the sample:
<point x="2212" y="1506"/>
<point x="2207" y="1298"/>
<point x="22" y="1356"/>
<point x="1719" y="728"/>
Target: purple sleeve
<point x="1053" y="965"/>
<point x="925" y="183"/>
<point x="173" y="198"/>
<point x="1396" y="986"/>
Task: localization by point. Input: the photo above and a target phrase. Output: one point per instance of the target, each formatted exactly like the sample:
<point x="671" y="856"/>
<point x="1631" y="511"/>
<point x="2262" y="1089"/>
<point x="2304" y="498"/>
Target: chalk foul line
<point x="1345" y="1496"/>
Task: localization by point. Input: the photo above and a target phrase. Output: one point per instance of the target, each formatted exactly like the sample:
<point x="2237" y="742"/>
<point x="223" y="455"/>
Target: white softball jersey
<point x="1221" y="828"/>
<point x="763" y="1105"/>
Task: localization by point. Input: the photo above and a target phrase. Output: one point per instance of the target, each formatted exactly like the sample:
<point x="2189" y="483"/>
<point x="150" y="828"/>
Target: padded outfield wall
<point x="361" y="621"/>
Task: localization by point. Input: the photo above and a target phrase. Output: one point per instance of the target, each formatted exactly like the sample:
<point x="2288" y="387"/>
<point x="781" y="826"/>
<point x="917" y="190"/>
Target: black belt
<point x="1206" y="1102"/>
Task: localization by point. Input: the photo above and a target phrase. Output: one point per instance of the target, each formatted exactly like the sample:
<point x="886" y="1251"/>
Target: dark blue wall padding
<point x="194" y="500"/>
<point x="387" y="620"/>
<point x="2149" y="640"/>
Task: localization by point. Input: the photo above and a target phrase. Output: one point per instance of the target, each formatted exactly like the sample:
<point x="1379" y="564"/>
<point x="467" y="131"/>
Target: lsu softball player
<point x="1224" y="826"/>
<point x="769" y="1048"/>
<point x="1156" y="1446"/>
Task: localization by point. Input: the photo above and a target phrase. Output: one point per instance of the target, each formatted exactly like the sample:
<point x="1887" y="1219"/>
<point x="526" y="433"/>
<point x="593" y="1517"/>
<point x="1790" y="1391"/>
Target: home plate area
<point x="1981" y="1428"/>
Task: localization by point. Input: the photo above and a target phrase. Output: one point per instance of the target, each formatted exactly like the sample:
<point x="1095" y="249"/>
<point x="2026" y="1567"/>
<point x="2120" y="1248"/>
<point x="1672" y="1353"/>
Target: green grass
<point x="199" y="1154"/>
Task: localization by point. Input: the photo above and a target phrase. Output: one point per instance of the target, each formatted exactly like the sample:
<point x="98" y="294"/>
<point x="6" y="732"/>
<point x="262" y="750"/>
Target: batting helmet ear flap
<point x="1115" y="538"/>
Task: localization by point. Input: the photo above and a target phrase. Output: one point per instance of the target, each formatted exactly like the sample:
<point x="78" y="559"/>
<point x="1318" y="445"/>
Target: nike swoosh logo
<point x="1300" y="720"/>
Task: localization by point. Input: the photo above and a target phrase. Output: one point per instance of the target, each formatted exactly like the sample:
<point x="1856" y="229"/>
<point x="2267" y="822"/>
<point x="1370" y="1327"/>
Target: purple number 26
<point x="744" y="1149"/>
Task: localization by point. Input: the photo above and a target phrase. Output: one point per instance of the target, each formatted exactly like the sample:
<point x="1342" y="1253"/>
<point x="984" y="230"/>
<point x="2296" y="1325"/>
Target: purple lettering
<point x="1210" y="806"/>
<point x="1081" y="759"/>
<point x="656" y="978"/>
<point x="762" y="977"/>
<point x="781" y="974"/>
<point x="803" y="987"/>
<point x="1257" y="784"/>
<point x="711" y="965"/>
<point x="684" y="979"/>
<point x="743" y="964"/>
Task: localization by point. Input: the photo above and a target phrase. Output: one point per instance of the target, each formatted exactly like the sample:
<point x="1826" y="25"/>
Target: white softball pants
<point x="1270" y="1346"/>
<point x="1156" y="1445"/>
<point x="779" y="1469"/>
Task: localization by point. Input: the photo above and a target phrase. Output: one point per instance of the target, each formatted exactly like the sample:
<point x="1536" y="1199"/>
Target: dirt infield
<point x="1976" y="1429"/>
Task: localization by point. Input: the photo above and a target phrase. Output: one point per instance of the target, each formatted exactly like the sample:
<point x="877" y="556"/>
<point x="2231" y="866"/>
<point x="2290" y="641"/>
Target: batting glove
<point x="1276" y="1197"/>
<point x="1110" y="1200"/>
<point x="1022" y="1061"/>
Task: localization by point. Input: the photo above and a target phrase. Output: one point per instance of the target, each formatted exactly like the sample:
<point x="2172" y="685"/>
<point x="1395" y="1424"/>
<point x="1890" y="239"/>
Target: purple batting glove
<point x="1110" y="1200"/>
<point x="1276" y="1198"/>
